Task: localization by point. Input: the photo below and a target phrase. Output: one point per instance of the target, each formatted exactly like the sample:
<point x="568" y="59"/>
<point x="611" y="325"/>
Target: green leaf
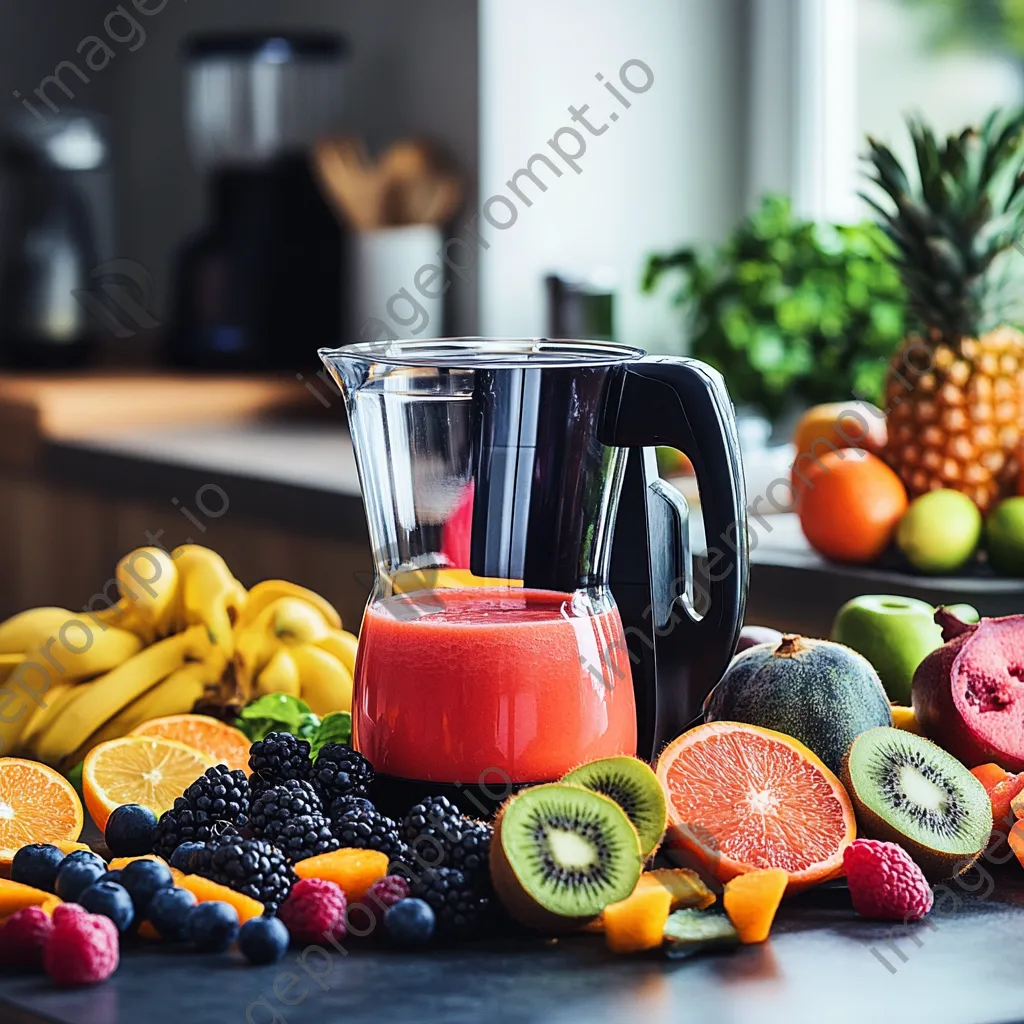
<point x="335" y="728"/>
<point x="74" y="776"/>
<point x="277" y="712"/>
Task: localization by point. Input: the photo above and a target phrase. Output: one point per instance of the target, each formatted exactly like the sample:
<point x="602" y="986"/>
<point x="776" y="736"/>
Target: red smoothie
<point x="452" y="683"/>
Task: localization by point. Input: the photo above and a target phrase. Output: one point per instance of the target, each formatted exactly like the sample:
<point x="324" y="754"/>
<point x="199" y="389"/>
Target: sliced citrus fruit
<point x="742" y="798"/>
<point x="223" y="742"/>
<point x="37" y="805"/>
<point x="144" y="770"/>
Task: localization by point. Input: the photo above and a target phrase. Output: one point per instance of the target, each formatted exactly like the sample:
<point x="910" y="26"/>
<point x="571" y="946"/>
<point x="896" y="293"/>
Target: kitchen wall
<point x="412" y="71"/>
<point x="668" y="171"/>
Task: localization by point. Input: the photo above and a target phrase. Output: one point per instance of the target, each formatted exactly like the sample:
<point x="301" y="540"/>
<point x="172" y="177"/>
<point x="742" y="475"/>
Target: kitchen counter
<point x="822" y="964"/>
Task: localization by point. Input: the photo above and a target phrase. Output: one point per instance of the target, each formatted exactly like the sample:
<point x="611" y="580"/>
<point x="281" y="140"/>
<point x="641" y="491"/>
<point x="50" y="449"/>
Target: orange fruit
<point x="742" y="798"/>
<point x="353" y="870"/>
<point x="850" y="505"/>
<point x="223" y="742"/>
<point x="142" y="770"/>
<point x="838" y="425"/>
<point x="37" y="805"/>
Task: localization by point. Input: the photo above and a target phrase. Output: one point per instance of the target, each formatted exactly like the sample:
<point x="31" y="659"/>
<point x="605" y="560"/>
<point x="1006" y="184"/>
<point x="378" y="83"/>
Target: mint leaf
<point x="335" y="728"/>
<point x="277" y="712"/>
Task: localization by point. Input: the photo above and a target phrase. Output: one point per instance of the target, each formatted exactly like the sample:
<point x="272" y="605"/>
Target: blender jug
<point x="533" y="605"/>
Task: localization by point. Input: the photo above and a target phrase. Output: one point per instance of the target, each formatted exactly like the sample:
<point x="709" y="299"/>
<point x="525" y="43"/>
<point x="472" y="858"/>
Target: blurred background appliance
<point x="55" y="223"/>
<point x="260" y="286"/>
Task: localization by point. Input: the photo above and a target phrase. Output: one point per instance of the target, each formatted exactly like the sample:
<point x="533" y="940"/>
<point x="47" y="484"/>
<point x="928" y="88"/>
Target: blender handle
<point x="684" y="404"/>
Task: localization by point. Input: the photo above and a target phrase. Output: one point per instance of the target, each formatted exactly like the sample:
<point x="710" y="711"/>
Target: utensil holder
<point x="389" y="295"/>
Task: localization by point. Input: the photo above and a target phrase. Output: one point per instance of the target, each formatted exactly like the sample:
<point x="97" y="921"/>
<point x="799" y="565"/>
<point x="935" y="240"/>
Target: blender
<point x="534" y="606"/>
<point x="264" y="278"/>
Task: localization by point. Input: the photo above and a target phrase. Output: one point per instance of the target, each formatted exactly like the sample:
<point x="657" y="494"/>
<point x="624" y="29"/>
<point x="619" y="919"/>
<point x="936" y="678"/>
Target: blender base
<point x="394" y="796"/>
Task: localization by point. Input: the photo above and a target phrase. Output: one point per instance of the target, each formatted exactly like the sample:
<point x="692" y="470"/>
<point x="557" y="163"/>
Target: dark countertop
<point x="822" y="963"/>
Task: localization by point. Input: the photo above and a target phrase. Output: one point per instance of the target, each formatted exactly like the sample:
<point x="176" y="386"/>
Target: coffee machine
<point x="262" y="281"/>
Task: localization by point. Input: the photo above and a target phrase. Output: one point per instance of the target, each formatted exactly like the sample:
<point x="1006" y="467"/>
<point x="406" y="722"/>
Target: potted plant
<point x="792" y="313"/>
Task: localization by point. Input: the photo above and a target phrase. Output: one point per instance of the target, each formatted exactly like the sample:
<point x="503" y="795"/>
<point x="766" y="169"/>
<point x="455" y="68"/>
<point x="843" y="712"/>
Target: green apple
<point x="940" y="531"/>
<point x="1004" y="537"/>
<point x="893" y="633"/>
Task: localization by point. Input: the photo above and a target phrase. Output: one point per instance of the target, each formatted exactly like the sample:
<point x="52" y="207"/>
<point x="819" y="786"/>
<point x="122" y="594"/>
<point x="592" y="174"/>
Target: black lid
<point x="282" y="46"/>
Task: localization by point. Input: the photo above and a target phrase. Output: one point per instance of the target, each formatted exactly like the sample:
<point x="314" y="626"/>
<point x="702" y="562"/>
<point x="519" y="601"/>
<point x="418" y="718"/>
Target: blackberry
<point x="341" y="771"/>
<point x="278" y="757"/>
<point x="433" y="816"/>
<point x="471" y="853"/>
<point x="216" y="803"/>
<point x="305" y="836"/>
<point x="457" y="904"/>
<point x="341" y="804"/>
<point x="276" y="806"/>
<point x="369" y="830"/>
<point x="252" y="867"/>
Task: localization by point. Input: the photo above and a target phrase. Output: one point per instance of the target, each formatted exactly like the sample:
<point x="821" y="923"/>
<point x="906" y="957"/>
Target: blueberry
<point x="129" y="830"/>
<point x="212" y="926"/>
<point x="409" y="922"/>
<point x="180" y="857"/>
<point x="75" y="876"/>
<point x="113" y="875"/>
<point x="142" y="878"/>
<point x="37" y="865"/>
<point x="169" y="911"/>
<point x="111" y="900"/>
<point x="85" y="855"/>
<point x="263" y="940"/>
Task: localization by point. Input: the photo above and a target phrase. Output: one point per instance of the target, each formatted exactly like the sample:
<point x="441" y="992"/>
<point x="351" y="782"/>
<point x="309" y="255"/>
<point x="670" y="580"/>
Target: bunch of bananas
<point x="183" y="631"/>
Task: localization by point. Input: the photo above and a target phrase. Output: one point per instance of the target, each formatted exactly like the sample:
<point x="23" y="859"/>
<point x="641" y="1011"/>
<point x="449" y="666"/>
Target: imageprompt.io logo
<point x="121" y="298"/>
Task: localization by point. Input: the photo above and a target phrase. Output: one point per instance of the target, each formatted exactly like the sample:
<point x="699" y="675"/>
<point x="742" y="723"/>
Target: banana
<point x="292" y="620"/>
<point x="30" y="629"/>
<point x="208" y="593"/>
<point x="124" y="615"/>
<point x="326" y="683"/>
<point x="281" y="675"/>
<point x="105" y="697"/>
<point x="19" y="710"/>
<point x="342" y="645"/>
<point x="253" y="650"/>
<point x="265" y="593"/>
<point x="148" y="580"/>
<point x="176" y="695"/>
<point x="38" y="717"/>
<point x="101" y="651"/>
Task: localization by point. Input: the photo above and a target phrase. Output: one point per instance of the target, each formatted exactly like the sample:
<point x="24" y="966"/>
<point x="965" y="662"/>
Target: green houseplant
<point x="790" y="311"/>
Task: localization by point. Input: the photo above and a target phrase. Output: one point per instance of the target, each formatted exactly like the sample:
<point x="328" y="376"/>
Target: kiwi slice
<point x="692" y="932"/>
<point x="634" y="787"/>
<point x="907" y="790"/>
<point x="560" y="854"/>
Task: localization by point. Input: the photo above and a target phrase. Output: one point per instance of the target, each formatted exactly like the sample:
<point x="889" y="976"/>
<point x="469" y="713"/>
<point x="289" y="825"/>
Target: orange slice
<point x="223" y="742"/>
<point x="139" y="770"/>
<point x="742" y="798"/>
<point x="205" y="891"/>
<point x="37" y="805"/>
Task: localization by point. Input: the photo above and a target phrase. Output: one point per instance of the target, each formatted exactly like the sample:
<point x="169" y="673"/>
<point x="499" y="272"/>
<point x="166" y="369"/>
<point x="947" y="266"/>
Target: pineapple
<point x="955" y="391"/>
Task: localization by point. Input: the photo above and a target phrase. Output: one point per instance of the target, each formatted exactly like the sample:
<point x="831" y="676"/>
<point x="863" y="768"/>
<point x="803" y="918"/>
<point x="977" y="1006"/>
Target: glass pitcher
<point x="491" y="473"/>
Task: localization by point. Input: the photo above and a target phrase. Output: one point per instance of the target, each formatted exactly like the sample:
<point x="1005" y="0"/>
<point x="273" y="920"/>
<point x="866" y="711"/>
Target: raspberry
<point x="885" y="882"/>
<point x="313" y="907"/>
<point x="384" y="893"/>
<point x="65" y="910"/>
<point x="24" y="937"/>
<point x="83" y="949"/>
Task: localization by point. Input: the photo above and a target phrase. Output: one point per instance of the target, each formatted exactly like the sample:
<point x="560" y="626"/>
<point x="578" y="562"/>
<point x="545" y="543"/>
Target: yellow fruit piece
<point x="751" y="901"/>
<point x="353" y="870"/>
<point x="444" y="579"/>
<point x="50" y="904"/>
<point x="142" y="770"/>
<point x="209" y="595"/>
<point x="206" y="891"/>
<point x="223" y="742"/>
<point x="37" y="805"/>
<point x="14" y="897"/>
<point x="122" y="862"/>
<point x="281" y="675"/>
<point x="905" y="719"/>
<point x="683" y="885"/>
<point x="637" y="922"/>
<point x="148" y="580"/>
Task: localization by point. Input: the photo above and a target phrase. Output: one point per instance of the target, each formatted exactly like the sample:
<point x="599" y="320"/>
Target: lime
<point x="939" y="531"/>
<point x="1004" y="537"/>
